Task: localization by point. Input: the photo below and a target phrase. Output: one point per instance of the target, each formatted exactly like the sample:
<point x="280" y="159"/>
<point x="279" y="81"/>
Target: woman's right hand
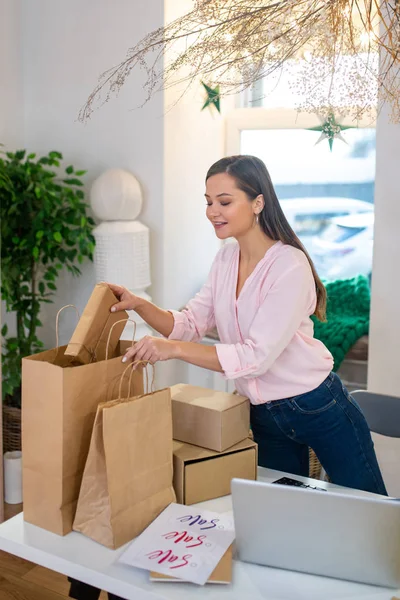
<point x="127" y="300"/>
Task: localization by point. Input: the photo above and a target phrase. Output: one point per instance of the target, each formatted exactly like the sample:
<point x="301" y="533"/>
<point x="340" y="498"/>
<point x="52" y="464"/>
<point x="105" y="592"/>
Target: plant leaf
<point x="73" y="181"/>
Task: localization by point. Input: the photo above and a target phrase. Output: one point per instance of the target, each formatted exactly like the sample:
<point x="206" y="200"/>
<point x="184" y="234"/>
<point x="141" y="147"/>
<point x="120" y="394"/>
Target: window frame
<point x="240" y="119"/>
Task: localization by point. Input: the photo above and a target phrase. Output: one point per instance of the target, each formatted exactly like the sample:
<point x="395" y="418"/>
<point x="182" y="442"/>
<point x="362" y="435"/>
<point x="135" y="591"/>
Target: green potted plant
<point x="45" y="228"/>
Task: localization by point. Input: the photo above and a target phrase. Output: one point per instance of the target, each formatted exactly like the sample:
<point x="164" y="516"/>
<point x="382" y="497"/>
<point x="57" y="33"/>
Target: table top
<point x="79" y="557"/>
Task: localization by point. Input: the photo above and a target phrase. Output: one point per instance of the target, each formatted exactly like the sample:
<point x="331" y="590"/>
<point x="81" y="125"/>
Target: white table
<point x="79" y="557"/>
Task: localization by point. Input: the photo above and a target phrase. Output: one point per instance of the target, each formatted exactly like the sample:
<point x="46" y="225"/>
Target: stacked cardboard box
<point x="212" y="444"/>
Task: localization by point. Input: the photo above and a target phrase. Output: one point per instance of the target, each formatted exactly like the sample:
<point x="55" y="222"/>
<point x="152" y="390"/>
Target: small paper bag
<point x="89" y="340"/>
<point x="127" y="480"/>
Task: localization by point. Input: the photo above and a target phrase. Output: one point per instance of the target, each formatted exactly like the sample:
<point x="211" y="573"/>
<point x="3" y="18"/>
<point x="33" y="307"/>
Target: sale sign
<point x="182" y="543"/>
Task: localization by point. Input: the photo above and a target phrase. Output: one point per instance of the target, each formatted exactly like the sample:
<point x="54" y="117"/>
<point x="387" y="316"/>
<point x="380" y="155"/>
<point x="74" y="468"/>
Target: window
<point x="314" y="185"/>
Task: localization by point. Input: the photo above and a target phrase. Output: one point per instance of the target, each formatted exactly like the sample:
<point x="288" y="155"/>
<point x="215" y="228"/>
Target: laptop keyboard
<point x="297" y="483"/>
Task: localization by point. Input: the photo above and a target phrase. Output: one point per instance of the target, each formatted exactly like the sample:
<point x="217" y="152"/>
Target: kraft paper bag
<point x="89" y="340"/>
<point x="127" y="480"/>
<point x="59" y="403"/>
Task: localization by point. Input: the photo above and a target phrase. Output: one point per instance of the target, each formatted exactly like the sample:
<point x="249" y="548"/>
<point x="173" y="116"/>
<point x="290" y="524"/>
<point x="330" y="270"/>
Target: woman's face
<point x="228" y="208"/>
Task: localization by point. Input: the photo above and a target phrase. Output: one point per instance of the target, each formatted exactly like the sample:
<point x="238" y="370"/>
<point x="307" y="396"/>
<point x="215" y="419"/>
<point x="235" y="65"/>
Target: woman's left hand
<point x="152" y="349"/>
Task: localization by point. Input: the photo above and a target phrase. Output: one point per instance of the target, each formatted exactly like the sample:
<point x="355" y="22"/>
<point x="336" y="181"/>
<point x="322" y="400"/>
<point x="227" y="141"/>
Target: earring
<point x="257" y="219"/>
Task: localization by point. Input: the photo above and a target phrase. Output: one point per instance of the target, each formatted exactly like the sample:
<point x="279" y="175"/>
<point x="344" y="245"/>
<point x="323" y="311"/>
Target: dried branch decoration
<point x="235" y="43"/>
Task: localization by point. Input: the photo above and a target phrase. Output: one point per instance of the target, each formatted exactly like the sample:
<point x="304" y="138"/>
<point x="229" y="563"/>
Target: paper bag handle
<point x="146" y="363"/>
<point x="57" y="324"/>
<point x="112" y="327"/>
<point x="58" y="318"/>
<point x="91" y="353"/>
<point x="133" y="366"/>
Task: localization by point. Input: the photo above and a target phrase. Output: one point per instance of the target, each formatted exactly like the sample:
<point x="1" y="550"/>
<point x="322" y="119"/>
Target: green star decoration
<point x="213" y="97"/>
<point x="330" y="129"/>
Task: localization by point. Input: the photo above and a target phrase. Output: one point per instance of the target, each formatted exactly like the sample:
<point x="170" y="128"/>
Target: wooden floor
<point x="22" y="580"/>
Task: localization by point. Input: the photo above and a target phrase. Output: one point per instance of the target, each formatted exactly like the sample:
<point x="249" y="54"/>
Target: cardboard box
<point x="89" y="340"/>
<point x="207" y="418"/>
<point x="201" y="474"/>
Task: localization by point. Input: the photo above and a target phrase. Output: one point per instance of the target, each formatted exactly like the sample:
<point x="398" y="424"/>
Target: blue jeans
<point x="84" y="591"/>
<point x="329" y="421"/>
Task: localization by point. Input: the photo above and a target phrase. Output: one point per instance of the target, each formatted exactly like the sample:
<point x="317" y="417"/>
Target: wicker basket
<point x="315" y="467"/>
<point x="11" y="428"/>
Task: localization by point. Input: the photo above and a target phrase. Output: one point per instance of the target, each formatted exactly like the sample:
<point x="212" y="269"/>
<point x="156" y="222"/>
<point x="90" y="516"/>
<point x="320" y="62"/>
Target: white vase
<point x="13" y="477"/>
<point x="122" y="252"/>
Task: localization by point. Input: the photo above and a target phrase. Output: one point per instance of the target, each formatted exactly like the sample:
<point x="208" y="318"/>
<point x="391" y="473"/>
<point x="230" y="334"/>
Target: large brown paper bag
<point x="127" y="480"/>
<point x="59" y="403"/>
<point x="89" y="340"/>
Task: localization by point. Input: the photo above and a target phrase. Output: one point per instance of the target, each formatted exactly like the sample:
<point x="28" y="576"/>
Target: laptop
<point x="318" y="531"/>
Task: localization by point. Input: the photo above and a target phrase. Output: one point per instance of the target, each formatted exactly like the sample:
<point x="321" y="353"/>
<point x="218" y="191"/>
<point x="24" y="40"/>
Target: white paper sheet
<point x="182" y="542"/>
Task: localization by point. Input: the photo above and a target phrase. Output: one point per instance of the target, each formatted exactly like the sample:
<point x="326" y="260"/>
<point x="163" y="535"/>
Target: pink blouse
<point x="266" y="335"/>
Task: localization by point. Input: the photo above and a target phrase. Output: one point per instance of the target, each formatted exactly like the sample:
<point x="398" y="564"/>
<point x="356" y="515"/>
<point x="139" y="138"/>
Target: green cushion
<point x="347" y="316"/>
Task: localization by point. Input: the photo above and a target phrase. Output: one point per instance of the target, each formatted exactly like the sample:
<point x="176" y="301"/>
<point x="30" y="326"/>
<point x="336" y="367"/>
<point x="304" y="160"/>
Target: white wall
<point x="384" y="337"/>
<point x="11" y="76"/>
<point x="193" y="140"/>
<point x="65" y="47"/>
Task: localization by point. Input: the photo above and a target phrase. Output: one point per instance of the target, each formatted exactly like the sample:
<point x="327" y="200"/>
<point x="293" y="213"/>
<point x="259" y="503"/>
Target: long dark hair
<point x="252" y="177"/>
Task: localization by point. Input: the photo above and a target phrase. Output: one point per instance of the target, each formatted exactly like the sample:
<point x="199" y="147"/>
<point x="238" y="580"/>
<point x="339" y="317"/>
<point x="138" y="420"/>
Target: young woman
<point x="260" y="295"/>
